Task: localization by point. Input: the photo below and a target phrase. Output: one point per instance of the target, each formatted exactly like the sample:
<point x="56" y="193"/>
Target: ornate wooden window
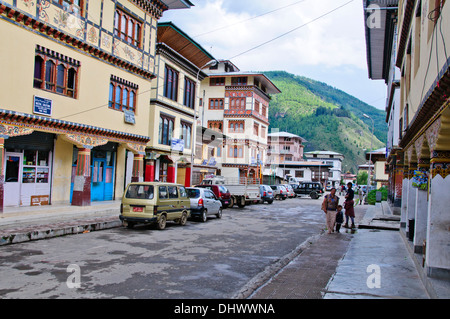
<point x="236" y="126"/>
<point x="122" y="94"/>
<point x="216" y="104"/>
<point x="216" y="126"/>
<point x="189" y="93"/>
<point x="55" y="72"/>
<point x="72" y="6"/>
<point x="236" y="151"/>
<point x="239" y="81"/>
<point x="171" y="84"/>
<point x="217" y="82"/>
<point x="127" y="28"/>
<point x="186" y="134"/>
<point x="237" y="104"/>
<point x="166" y="125"/>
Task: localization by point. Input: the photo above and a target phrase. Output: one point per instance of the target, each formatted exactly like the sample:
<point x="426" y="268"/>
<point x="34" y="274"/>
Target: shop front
<point x="27" y="169"/>
<point x="102" y="166"/>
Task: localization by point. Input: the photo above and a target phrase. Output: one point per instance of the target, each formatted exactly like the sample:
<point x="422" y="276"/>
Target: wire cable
<point x="293" y="30"/>
<point x="252" y="18"/>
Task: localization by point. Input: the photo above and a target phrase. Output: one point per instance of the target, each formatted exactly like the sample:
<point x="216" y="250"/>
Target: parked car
<point x="266" y="194"/>
<point x="290" y="191"/>
<point x="204" y="203"/>
<point x="311" y="189"/>
<point x="279" y="192"/>
<point x="154" y="203"/>
<point x="221" y="192"/>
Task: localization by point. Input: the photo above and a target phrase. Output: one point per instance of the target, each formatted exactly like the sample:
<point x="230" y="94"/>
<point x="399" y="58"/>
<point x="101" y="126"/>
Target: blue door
<point x="98" y="175"/>
<point x="102" y="178"/>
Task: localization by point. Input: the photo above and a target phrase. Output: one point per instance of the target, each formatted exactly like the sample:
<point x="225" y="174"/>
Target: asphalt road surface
<point x="211" y="260"/>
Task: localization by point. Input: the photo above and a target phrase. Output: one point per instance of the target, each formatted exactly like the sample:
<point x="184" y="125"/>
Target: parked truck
<point x="243" y="190"/>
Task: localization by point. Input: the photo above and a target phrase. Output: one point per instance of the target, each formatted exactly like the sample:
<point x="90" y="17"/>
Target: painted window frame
<point x="171" y="79"/>
<point x="122" y="22"/>
<point x="165" y="132"/>
<point x="118" y="85"/>
<point x="216" y="104"/>
<point x="47" y="75"/>
<point x="72" y="6"/>
<point x="190" y="88"/>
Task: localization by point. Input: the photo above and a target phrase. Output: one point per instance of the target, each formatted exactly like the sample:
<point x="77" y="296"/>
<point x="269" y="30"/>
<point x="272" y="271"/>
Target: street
<point x="198" y="261"/>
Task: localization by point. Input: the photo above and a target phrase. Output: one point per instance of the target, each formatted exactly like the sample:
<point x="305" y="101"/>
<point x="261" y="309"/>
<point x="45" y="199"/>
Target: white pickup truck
<point x="243" y="190"/>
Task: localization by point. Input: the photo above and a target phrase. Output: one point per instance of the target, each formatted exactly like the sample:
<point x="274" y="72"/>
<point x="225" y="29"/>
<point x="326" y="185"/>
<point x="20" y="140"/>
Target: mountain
<point x="328" y="118"/>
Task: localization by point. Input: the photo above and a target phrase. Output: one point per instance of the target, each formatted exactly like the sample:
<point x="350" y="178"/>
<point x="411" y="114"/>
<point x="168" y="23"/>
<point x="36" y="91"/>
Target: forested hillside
<point x="329" y="119"/>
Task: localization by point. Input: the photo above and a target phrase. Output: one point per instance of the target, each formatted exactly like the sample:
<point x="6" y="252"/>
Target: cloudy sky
<point x="327" y="43"/>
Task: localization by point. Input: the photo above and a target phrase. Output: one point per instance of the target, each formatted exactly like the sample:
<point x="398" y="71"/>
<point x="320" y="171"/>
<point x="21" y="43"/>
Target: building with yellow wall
<point x="414" y="37"/>
<point x="236" y="104"/>
<point x="174" y="105"/>
<point x="78" y="79"/>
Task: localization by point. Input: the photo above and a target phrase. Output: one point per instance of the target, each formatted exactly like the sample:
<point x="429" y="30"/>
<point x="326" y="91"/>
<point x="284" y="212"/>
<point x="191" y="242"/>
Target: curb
<point x="58" y="230"/>
<point x="270" y="271"/>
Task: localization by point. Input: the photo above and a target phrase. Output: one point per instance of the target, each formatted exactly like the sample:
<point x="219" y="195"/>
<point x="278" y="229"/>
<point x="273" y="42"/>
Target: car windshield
<point x="223" y="189"/>
<point x="193" y="193"/>
<point x="140" y="192"/>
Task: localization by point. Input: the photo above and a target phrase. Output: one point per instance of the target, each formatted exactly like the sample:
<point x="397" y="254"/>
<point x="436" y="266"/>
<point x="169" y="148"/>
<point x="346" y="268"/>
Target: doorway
<point x="13" y="173"/>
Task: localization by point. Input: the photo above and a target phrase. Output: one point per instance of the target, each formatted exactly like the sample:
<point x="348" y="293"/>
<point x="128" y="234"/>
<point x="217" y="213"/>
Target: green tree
<point x="361" y="178"/>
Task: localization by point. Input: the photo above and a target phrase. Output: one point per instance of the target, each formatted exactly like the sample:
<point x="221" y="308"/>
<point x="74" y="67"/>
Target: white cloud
<point x="334" y="42"/>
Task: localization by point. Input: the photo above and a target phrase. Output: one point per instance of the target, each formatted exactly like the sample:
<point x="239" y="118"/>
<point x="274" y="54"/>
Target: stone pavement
<point x="20" y="224"/>
<point x="366" y="263"/>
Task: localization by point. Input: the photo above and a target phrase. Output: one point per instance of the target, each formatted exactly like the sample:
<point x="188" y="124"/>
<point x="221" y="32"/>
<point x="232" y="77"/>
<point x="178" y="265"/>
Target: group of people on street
<point x="333" y="210"/>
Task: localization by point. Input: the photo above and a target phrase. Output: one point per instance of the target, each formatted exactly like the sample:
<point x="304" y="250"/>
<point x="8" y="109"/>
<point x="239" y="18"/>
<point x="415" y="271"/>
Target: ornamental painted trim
<point x="14" y="130"/>
<point x="84" y="141"/>
<point x="136" y="148"/>
<point x="440" y="164"/>
<point x="432" y="134"/>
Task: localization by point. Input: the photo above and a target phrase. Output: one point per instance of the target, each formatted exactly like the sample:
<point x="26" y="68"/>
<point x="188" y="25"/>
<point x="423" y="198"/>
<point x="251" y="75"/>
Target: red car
<point x="221" y="193"/>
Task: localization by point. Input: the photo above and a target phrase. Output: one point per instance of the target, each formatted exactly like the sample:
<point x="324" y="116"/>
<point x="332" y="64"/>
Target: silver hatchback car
<point x="204" y="203"/>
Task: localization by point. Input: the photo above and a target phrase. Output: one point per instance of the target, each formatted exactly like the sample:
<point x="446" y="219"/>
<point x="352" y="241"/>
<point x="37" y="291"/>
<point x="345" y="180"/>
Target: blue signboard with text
<point x="42" y="106"/>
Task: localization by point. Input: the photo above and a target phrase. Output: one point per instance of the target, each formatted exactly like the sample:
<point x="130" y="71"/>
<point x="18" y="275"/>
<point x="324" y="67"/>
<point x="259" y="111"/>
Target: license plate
<point x="226" y="202"/>
<point x="138" y="209"/>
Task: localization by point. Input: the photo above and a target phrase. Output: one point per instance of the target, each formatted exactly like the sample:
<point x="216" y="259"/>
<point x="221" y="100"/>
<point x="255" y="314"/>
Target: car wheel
<point x="162" y="222"/>
<point x="314" y="195"/>
<point x="219" y="213"/>
<point x="204" y="216"/>
<point x="270" y="201"/>
<point x="183" y="219"/>
<point x="231" y="203"/>
<point x="241" y="203"/>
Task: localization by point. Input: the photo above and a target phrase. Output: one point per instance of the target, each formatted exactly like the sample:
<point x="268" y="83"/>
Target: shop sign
<point x="42" y="106"/>
<point x="129" y="117"/>
<point x="39" y="200"/>
<point x="177" y="145"/>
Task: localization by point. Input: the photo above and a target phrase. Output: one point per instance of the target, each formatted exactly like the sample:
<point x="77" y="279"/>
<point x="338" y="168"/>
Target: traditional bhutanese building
<point x="174" y="105"/>
<point x="236" y="104"/>
<point x="76" y="80"/>
<point x="413" y="37"/>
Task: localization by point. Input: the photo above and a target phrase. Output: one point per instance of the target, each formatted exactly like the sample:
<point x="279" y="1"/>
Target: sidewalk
<point x="346" y="265"/>
<point x="21" y="224"/>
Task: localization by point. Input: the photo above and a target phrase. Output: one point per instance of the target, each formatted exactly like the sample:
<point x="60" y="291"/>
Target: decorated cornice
<point x="46" y="29"/>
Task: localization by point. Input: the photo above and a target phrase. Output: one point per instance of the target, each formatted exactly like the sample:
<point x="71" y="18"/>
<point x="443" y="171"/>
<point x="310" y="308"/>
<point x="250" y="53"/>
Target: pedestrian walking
<point x="360" y="195"/>
<point x="348" y="205"/>
<point x="329" y="206"/>
<point x="339" y="218"/>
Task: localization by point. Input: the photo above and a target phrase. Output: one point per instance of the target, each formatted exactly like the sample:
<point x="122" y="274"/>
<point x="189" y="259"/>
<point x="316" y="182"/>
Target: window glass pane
<point x="60" y="79"/>
<point x="160" y="131"/>
<point x="125" y="98"/>
<point x="49" y="75"/>
<point x="132" y="101"/>
<point x="38" y="71"/>
<point x="111" y="95"/>
<point x="118" y="97"/>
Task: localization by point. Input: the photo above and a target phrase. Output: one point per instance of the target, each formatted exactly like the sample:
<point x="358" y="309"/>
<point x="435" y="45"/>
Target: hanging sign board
<point x="42" y="106"/>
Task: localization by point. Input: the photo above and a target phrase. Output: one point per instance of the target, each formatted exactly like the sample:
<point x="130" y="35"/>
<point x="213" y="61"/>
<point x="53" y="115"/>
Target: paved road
<point x="200" y="260"/>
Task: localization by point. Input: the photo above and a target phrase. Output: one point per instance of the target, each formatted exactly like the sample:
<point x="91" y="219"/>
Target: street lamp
<point x="213" y="62"/>
<point x="369" y="178"/>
